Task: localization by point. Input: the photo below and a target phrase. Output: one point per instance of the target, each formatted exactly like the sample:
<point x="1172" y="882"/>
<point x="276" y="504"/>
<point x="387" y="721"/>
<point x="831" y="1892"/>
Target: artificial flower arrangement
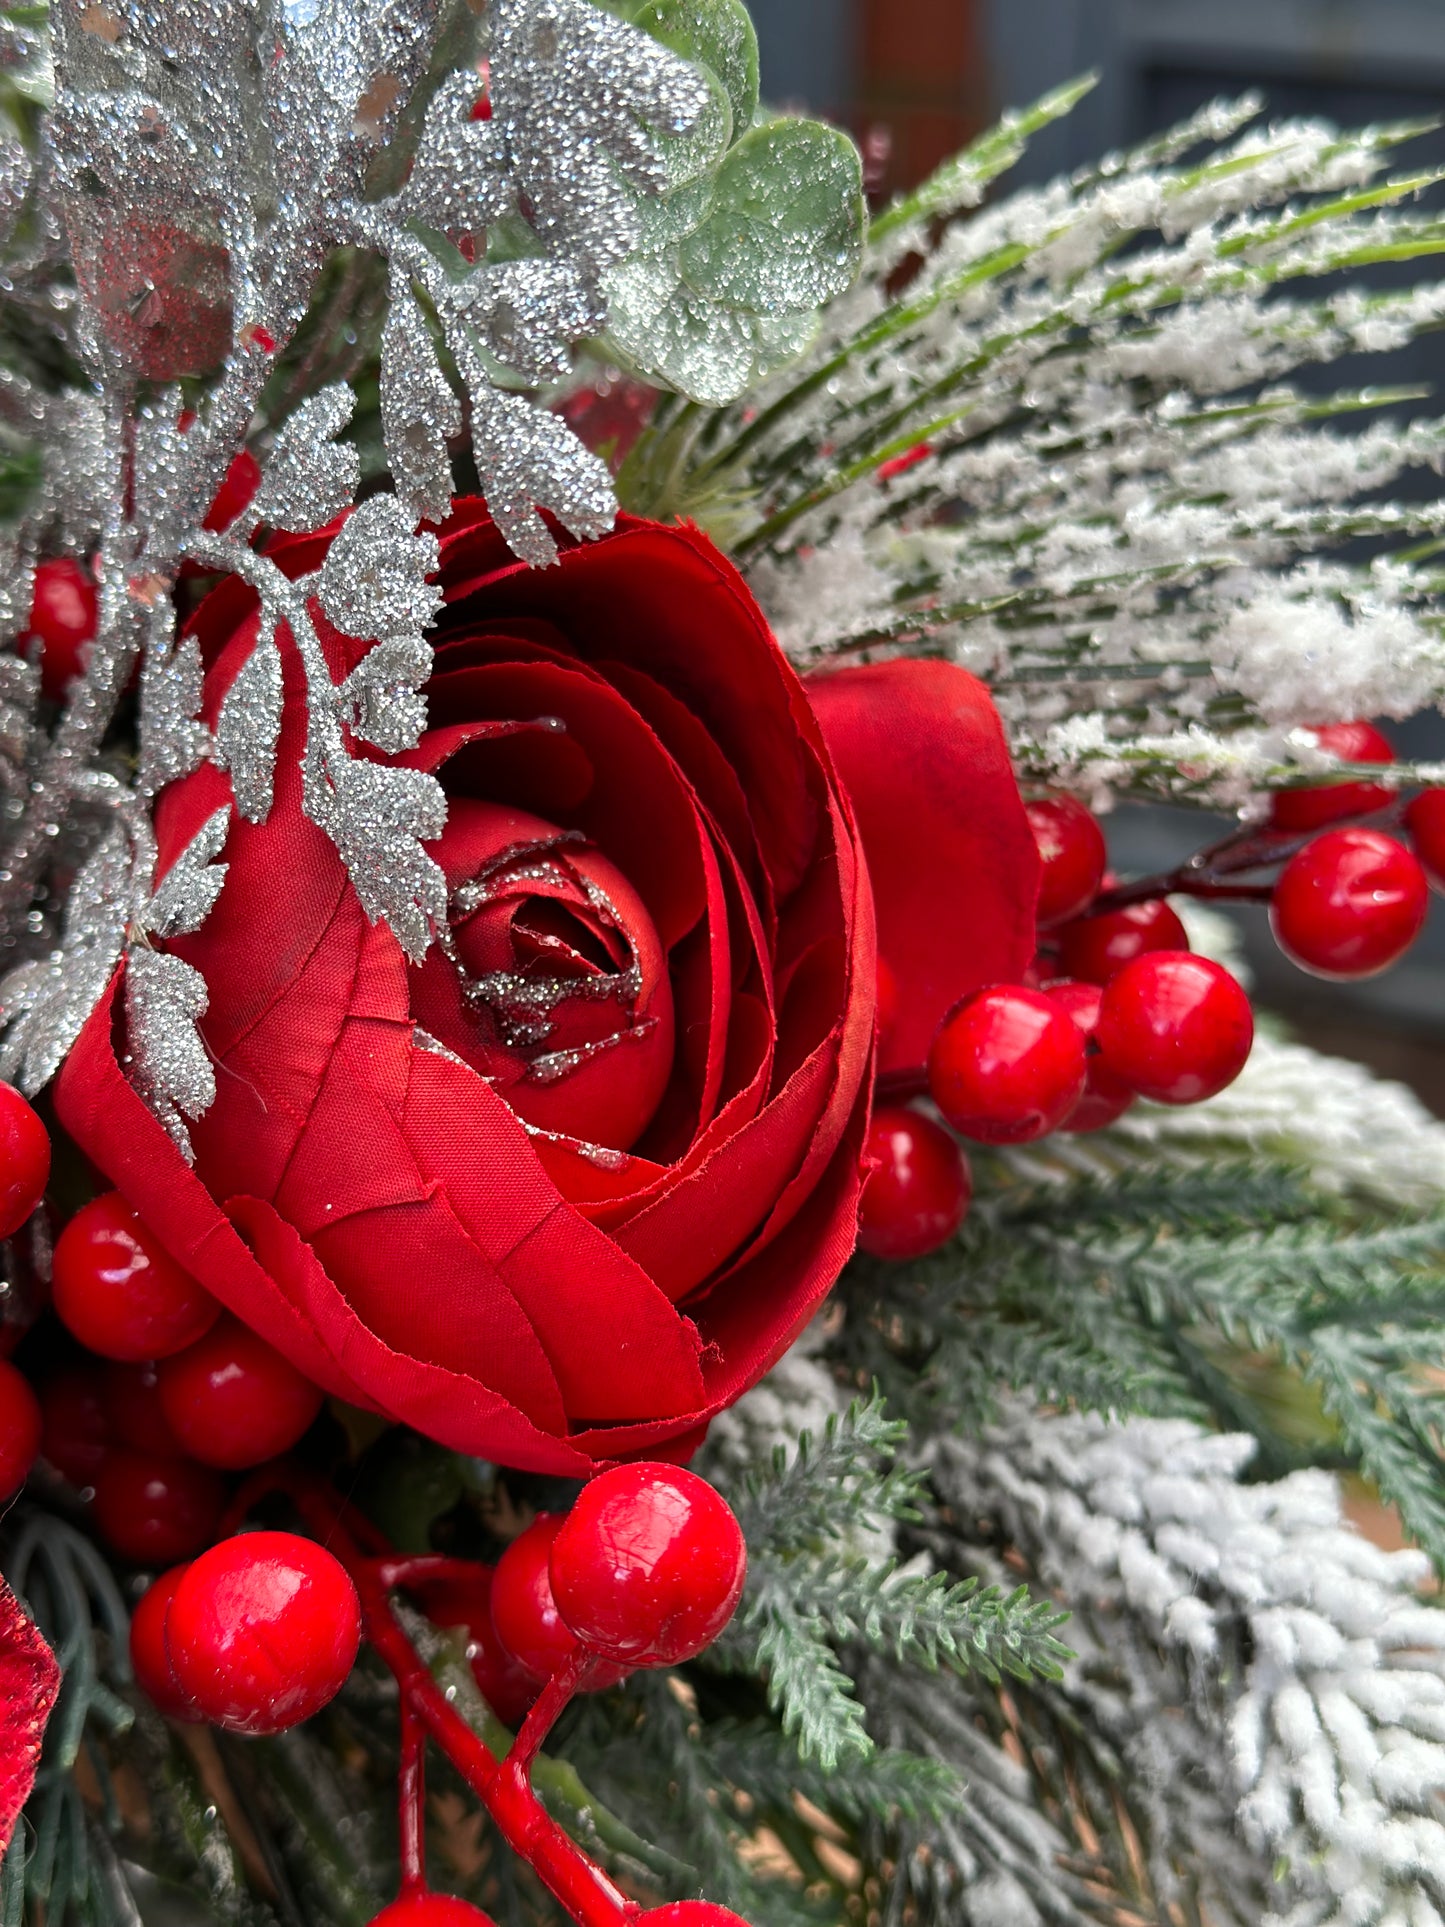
<point x="562" y="684"/>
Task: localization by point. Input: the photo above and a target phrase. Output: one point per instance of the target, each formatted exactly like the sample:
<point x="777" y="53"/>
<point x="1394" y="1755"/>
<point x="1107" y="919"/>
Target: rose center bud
<point x="552" y="981"/>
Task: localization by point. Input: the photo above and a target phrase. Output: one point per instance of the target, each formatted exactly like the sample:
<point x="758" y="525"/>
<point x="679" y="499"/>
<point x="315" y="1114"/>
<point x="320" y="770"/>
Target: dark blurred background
<point x="915" y="79"/>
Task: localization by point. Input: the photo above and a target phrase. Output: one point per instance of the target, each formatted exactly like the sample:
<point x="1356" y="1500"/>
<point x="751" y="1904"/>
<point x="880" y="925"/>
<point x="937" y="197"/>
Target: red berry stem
<point x="423" y="1568"/>
<point x="551" y="1703"/>
<point x="411" y="1801"/>
<point x="1208" y="872"/>
<point x="503" y="1787"/>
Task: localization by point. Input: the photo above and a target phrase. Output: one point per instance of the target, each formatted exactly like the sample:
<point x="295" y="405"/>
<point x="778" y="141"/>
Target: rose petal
<point x="29" y="1683"/>
<point x="955" y="868"/>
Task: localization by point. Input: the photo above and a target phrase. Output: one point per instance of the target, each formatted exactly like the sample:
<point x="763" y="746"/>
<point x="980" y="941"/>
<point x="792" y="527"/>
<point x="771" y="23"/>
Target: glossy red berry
<point x="1072" y="853"/>
<point x="19" y="1428"/>
<point x="154" y="1510"/>
<point x="149" y="1659"/>
<point x="133" y="1410"/>
<point x="1093" y="948"/>
<point x="64" y="611"/>
<point x="1313" y="808"/>
<point x="915" y="1197"/>
<point x="1425" y="820"/>
<point x="263" y="1631"/>
<point x="232" y="1400"/>
<point x="649" y="1565"/>
<point x="525" y="1614"/>
<point x="503" y="1683"/>
<point x="120" y="1291"/>
<point x="1176" y="1027"/>
<point x="1007" y="1065"/>
<point x="431" y="1910"/>
<point x="1349" y="903"/>
<point x="24" y="1160"/>
<point x="236" y="493"/>
<point x="75" y="1431"/>
<point x="1106" y="1097"/>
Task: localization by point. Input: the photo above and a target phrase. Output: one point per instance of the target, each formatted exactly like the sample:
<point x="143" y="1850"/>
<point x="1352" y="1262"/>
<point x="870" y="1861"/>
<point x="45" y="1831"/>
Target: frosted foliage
<point x="1085" y="476"/>
<point x="1272" y="1679"/>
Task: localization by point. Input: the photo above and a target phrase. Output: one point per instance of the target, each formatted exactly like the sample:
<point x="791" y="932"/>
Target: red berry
<point x="154" y="1510"/>
<point x="1311" y="809"/>
<point x="149" y="1659"/>
<point x="1174" y="1026"/>
<point x="689" y="1913"/>
<point x="236" y="493"/>
<point x="263" y="1631"/>
<point x="525" y="1614"/>
<point x="649" y="1565"/>
<point x="1106" y="1097"/>
<point x="1007" y="1066"/>
<point x="232" y="1400"/>
<point x="20" y="1425"/>
<point x="64" y="613"/>
<point x="120" y="1291"/>
<point x="1093" y="948"/>
<point x="133" y="1410"/>
<point x="887" y="999"/>
<point x="75" y="1434"/>
<point x="1071" y="848"/>
<point x="1425" y="820"/>
<point x="916" y="1196"/>
<point x="431" y="1910"/>
<point x="1349" y="903"/>
<point x="24" y="1160"/>
<point x="503" y="1684"/>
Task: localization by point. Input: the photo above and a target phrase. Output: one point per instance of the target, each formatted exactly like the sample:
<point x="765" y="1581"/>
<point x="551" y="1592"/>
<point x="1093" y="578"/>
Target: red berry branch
<point x="261" y="1631"/>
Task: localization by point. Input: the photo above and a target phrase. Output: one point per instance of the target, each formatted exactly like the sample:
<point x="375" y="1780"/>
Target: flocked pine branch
<point x="1065" y="453"/>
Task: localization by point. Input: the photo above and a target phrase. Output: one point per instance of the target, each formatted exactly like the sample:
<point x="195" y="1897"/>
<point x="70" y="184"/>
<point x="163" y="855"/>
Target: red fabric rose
<point x="568" y="1187"/>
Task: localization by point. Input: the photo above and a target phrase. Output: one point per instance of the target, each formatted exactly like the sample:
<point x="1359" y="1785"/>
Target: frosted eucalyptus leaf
<point x="709" y="352"/>
<point x="717" y="35"/>
<point x="786" y="227"/>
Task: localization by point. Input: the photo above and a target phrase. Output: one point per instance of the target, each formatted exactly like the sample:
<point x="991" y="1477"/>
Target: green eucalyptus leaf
<point x="687" y="157"/>
<point x="715" y="34"/>
<point x="706" y="351"/>
<point x="786" y="228"/>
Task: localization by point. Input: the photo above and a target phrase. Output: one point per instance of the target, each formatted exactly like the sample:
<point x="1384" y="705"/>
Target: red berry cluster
<point x="176" y="1394"/>
<point x="1118" y="1007"/>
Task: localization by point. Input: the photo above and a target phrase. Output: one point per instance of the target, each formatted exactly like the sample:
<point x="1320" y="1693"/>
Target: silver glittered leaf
<point x="19" y="692"/>
<point x="378" y="819"/>
<point x="311" y="477"/>
<point x="460" y="178"/>
<point x="188" y="891"/>
<point x="15" y="171"/>
<point x="247" y="729"/>
<point x="45" y="1003"/>
<point x="527" y="458"/>
<point x="373" y="581"/>
<point x="574" y="93"/>
<point x="528" y="313"/>
<point x="172" y="742"/>
<point x="168" y="1062"/>
<point x="418" y="409"/>
<point x="381" y="700"/>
